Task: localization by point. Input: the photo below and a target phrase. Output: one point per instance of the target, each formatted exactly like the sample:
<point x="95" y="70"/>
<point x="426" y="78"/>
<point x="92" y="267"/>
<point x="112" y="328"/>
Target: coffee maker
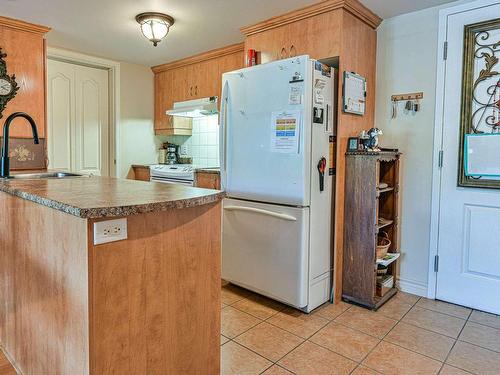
<point x="168" y="154"/>
<point x="172" y="156"/>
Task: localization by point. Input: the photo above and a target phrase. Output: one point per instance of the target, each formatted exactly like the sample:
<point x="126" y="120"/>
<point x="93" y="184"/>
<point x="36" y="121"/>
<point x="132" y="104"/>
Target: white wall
<point x="137" y="142"/>
<point x="407" y="55"/>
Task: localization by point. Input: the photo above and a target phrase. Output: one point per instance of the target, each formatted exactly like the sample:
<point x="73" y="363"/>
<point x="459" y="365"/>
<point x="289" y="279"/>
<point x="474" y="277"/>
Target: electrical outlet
<point x="184" y="150"/>
<point x="110" y="231"/>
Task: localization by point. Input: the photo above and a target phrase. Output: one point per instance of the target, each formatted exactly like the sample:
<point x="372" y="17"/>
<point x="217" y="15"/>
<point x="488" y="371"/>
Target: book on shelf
<point x="388" y="259"/>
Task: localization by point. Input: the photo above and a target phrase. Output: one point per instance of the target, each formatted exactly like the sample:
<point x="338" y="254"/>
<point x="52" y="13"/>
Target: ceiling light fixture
<point x="154" y="26"/>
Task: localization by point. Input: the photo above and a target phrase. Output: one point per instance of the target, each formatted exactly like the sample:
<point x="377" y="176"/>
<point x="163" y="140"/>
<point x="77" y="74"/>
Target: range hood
<point x="195" y="108"/>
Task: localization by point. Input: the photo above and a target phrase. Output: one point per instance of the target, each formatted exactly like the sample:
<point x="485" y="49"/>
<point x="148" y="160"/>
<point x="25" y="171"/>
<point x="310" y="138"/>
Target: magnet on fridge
<point x="318" y="115"/>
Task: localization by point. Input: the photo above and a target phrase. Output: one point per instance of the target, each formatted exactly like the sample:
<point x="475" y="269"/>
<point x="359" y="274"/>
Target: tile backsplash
<point x="203" y="145"/>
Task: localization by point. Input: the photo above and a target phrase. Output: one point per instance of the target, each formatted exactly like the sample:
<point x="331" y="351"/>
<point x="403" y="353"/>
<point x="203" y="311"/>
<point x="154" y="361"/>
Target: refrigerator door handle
<point x="223" y="126"/>
<point x="260" y="211"/>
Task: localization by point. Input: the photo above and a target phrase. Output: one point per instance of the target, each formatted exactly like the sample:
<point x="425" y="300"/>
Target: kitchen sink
<point x="45" y="175"/>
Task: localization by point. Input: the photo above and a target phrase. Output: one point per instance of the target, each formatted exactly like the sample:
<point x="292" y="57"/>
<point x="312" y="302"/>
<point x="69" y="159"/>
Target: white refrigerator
<point x="277" y="132"/>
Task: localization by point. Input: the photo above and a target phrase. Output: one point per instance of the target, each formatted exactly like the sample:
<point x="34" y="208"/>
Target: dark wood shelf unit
<point x="364" y="204"/>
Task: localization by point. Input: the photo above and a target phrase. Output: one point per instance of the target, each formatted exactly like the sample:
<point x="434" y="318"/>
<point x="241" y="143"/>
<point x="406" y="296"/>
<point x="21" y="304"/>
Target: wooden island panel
<point x="154" y="300"/>
<point x="43" y="288"/>
<point x="146" y="305"/>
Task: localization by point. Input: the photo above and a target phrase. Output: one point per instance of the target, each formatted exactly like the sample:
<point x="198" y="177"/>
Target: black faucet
<point x="4" y="167"/>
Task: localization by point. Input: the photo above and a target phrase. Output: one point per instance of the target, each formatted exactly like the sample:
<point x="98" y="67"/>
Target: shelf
<point x="385" y="190"/>
<point x="385" y="263"/>
<point x="384" y="224"/>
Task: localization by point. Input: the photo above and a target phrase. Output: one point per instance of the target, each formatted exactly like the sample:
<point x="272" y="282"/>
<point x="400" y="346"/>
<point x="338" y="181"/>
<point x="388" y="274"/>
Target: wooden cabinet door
<point x="316" y="36"/>
<point x="228" y="63"/>
<point x="181" y="83"/>
<point x="207" y="180"/>
<point x="26" y="59"/>
<point x="206" y="78"/>
<point x="141" y="173"/>
<point x="192" y="77"/>
<point x="164" y="99"/>
<point x="271" y="44"/>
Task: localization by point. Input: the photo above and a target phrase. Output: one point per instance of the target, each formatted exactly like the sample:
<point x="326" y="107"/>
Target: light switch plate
<point x="110" y="231"/>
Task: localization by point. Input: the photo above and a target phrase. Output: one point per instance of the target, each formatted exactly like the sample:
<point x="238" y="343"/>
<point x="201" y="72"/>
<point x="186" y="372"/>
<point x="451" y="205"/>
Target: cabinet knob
<point x="196" y="90"/>
<point x="191" y="91"/>
<point x="293" y="51"/>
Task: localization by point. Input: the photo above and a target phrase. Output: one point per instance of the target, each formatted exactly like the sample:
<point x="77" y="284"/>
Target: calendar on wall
<point x="354" y="94"/>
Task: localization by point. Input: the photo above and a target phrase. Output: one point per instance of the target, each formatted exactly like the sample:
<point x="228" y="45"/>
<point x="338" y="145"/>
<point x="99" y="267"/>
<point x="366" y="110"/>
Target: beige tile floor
<point x="408" y="335"/>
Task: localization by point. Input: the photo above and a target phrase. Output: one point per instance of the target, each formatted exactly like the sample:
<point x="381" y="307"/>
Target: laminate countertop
<point x="214" y="170"/>
<point x="98" y="197"/>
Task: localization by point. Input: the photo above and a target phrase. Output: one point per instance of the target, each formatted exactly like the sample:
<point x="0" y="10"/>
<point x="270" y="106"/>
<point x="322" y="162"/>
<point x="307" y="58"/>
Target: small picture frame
<point x="353" y="144"/>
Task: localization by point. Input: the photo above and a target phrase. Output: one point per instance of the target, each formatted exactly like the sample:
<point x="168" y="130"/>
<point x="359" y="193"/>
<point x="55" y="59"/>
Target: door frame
<point x="438" y="134"/>
<point x="113" y="68"/>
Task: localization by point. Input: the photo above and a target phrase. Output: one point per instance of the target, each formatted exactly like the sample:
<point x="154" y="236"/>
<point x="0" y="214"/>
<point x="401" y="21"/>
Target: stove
<point x="172" y="174"/>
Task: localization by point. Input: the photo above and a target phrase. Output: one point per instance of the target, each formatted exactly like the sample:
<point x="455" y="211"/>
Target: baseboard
<point x="413" y="287"/>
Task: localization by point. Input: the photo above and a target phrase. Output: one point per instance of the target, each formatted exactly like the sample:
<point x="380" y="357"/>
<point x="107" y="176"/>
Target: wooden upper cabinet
<point x="228" y="63"/>
<point x="205" y="83"/>
<point x="315" y="30"/>
<point x="24" y="45"/>
<point x="271" y="45"/>
<point x="163" y="99"/>
<point x="192" y="78"/>
<point x="307" y="37"/>
<point x="181" y="83"/>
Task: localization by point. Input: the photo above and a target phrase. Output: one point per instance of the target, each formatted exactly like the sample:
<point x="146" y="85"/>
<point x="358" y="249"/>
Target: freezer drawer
<point x="265" y="249"/>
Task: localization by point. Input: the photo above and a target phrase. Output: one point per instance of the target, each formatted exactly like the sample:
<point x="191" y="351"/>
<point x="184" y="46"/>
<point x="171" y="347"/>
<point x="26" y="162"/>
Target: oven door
<point x="168" y="180"/>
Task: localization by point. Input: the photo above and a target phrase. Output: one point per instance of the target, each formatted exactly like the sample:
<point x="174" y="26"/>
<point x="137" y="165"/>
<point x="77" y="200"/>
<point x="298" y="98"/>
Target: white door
<point x="265" y="249"/>
<point x="469" y="218"/>
<point x="78" y="120"/>
<point x="257" y="162"/>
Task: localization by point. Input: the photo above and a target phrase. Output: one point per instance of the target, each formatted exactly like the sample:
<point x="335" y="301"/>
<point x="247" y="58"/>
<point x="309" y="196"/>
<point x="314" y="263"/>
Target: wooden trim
<point x="24" y="26"/>
<point x="352" y="6"/>
<point x="201" y="57"/>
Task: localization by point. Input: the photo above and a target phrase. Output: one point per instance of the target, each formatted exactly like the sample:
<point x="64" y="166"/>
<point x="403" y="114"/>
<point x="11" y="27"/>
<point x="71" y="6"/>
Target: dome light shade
<point x="154" y="26"/>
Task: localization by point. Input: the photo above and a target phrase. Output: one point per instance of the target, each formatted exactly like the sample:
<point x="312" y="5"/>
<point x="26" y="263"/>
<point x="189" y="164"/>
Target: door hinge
<point x="440" y="159"/>
<point x="445" y="51"/>
<point x="436" y="263"/>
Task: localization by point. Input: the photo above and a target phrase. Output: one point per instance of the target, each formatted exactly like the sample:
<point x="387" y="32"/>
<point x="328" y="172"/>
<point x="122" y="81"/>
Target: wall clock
<point x="8" y="84"/>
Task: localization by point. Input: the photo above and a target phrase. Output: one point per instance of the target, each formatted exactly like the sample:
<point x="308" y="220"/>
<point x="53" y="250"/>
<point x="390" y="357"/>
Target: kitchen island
<point x="149" y="304"/>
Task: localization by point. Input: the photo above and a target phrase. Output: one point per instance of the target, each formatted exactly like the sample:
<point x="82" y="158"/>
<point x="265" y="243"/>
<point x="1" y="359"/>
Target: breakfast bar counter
<point x="97" y="197"/>
<point x="147" y="304"/>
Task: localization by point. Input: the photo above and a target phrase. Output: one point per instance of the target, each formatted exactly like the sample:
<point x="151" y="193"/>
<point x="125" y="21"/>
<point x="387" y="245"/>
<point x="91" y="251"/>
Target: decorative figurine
<point x="370" y="139"/>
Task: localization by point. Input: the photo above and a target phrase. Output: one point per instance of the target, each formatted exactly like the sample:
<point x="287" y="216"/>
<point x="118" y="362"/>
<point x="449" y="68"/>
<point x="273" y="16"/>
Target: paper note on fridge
<point x="285" y="131"/>
<point x="319" y="85"/>
<point x="295" y="96"/>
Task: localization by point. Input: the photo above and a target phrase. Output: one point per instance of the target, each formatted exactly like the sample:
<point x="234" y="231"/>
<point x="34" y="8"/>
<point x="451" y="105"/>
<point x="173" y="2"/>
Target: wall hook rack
<point x="412" y="102"/>
<point x="410" y="96"/>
